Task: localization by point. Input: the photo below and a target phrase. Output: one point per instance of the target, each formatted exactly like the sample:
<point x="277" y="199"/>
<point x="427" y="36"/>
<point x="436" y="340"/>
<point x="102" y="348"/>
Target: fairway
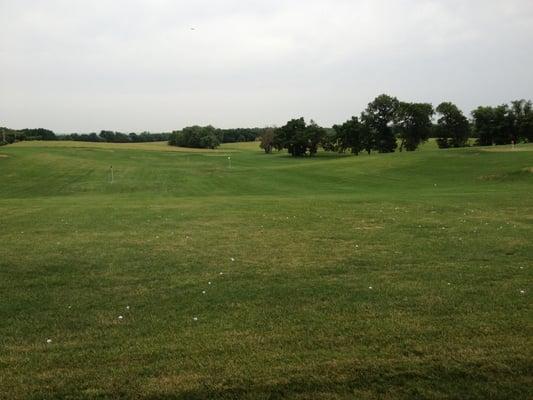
<point x="403" y="275"/>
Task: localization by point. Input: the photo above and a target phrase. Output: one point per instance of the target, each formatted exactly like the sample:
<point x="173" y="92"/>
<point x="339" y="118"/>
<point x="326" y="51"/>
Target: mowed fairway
<point x="405" y="275"/>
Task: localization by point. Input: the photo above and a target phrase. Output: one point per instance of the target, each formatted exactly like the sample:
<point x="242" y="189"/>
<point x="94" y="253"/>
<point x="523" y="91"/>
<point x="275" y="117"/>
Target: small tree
<point x="268" y="140"/>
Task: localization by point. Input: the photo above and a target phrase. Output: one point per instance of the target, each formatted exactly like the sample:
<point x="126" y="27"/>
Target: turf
<point x="405" y="275"/>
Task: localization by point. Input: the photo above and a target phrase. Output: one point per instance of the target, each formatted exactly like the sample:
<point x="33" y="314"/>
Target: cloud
<point x="83" y="65"/>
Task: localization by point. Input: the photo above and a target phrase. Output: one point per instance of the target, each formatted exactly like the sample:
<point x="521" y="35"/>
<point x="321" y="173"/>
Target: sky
<point x="161" y="65"/>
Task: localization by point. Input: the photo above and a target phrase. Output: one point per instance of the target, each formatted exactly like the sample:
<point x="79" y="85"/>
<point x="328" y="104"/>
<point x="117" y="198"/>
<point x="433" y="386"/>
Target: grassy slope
<point x="442" y="237"/>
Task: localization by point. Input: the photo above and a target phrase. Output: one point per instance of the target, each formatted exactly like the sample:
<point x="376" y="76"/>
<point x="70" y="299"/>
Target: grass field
<point x="405" y="275"/>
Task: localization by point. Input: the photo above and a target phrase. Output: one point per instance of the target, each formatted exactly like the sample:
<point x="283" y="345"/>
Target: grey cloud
<point x="81" y="65"/>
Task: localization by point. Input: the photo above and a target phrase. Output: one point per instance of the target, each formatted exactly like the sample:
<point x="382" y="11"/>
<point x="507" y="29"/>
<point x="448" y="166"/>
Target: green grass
<point x="443" y="237"/>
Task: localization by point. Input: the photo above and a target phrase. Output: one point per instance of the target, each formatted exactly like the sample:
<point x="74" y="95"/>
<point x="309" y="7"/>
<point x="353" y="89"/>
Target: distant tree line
<point x="117" y="137"/>
<point x="388" y="124"/>
<point x="209" y="137"/>
<point x="8" y="136"/>
<point x="195" y="136"/>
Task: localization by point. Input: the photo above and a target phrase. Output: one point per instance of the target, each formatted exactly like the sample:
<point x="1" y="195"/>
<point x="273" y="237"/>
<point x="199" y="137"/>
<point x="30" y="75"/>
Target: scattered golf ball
<point x="48" y="340"/>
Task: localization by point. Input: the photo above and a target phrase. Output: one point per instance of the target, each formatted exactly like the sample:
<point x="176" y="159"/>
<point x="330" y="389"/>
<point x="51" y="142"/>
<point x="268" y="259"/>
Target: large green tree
<point x="204" y="137"/>
<point x="492" y="125"/>
<point x="379" y="117"/>
<point x="349" y="136"/>
<point x="521" y="114"/>
<point x="413" y="123"/>
<point x="453" y="128"/>
<point x="299" y="138"/>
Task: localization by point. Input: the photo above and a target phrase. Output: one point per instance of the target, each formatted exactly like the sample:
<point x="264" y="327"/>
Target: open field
<point x="405" y="275"/>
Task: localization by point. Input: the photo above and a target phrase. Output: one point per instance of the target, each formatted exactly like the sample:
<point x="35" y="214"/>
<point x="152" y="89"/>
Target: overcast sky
<point x="133" y="65"/>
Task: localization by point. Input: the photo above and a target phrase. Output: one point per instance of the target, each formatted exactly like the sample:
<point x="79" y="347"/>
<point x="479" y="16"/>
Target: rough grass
<point x="374" y="277"/>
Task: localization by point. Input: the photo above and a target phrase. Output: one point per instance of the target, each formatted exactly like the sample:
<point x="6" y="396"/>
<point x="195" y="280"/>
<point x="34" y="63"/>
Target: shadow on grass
<point x="372" y="384"/>
<point x="455" y="381"/>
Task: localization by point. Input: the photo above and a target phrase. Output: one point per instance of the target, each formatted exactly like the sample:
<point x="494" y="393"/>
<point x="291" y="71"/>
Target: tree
<point x="314" y="135"/>
<point x="267" y="140"/>
<point x="521" y="115"/>
<point x="349" y="136"/>
<point x="5" y="136"/>
<point x="37" y="134"/>
<point x="482" y="118"/>
<point x="242" y="134"/>
<point x="413" y="122"/>
<point x="453" y="128"/>
<point x="292" y="137"/>
<point x="203" y="137"/>
<point x="299" y="138"/>
<point x="379" y="118"/>
<point x="367" y="138"/>
<point x="492" y="125"/>
<point x="502" y="125"/>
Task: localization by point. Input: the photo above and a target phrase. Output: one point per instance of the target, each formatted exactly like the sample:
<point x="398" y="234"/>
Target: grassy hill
<point x="403" y="275"/>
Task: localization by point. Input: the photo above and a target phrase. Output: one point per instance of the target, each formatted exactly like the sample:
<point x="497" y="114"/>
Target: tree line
<point x="117" y="137"/>
<point x="209" y="137"/>
<point x="8" y="136"/>
<point x="388" y="124"/>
